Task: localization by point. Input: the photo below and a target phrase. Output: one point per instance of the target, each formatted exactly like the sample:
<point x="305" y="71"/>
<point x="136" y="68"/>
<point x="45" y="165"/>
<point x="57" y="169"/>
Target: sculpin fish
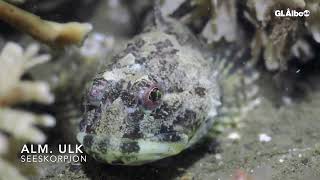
<point x="159" y="96"/>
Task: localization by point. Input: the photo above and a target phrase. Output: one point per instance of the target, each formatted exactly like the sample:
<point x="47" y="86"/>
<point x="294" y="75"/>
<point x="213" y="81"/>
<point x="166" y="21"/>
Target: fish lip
<point x="150" y="149"/>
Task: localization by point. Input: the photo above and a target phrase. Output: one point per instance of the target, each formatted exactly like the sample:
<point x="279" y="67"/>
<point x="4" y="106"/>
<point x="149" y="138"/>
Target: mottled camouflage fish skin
<point x="159" y="97"/>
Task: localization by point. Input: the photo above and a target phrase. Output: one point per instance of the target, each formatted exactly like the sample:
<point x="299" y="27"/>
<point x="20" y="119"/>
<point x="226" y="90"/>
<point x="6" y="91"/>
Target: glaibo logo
<point x="291" y="13"/>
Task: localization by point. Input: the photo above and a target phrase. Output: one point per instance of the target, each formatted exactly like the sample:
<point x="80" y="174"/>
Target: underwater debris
<point x="223" y="23"/>
<point x="97" y="46"/>
<point x="264" y="137"/>
<point x="280" y="38"/>
<point x="234" y="136"/>
<point x="18" y="126"/>
<point x="274" y="40"/>
<point x="279" y="45"/>
<point x="168" y="7"/>
<point x="240" y="174"/>
<point x="313" y="22"/>
<point x="52" y="33"/>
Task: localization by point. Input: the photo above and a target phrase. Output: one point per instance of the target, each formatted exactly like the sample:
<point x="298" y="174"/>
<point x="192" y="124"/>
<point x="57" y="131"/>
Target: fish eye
<point x="152" y="97"/>
<point x="155" y="94"/>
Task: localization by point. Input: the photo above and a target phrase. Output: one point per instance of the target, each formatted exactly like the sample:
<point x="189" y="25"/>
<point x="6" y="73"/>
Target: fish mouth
<point x="126" y="151"/>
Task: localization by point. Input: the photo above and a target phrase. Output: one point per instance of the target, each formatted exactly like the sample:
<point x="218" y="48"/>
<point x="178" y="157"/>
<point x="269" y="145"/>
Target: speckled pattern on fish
<point x="158" y="98"/>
